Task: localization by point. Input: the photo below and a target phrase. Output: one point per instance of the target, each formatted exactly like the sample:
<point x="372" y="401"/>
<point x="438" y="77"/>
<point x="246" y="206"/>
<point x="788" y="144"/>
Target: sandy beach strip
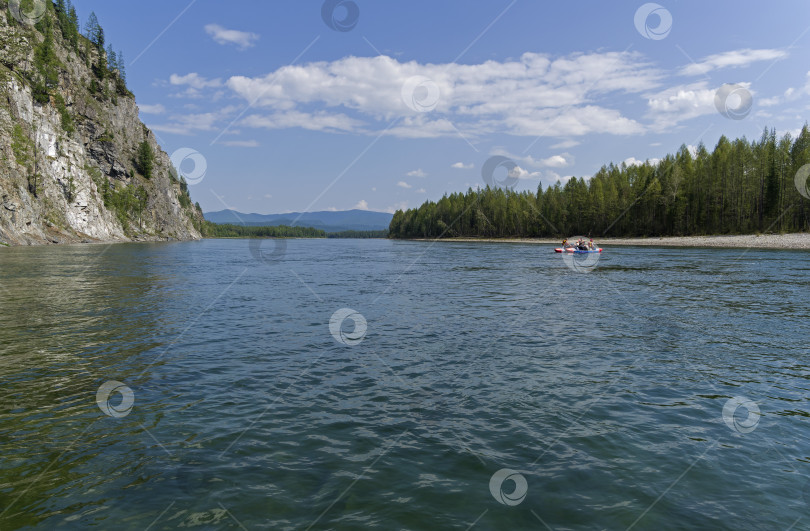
<point x="765" y="241"/>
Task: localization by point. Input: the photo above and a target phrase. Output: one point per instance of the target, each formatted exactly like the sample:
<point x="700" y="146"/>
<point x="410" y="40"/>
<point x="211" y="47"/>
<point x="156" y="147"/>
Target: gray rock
<point x="74" y="169"/>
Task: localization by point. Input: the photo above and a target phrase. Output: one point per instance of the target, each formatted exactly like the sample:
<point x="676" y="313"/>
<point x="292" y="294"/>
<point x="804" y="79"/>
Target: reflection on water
<point x="602" y="390"/>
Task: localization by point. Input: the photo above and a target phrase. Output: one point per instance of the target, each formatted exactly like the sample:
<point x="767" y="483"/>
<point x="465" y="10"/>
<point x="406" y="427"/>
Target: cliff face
<point x="72" y="146"/>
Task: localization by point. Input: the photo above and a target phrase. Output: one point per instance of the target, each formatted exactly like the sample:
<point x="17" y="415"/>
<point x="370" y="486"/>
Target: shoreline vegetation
<point x="740" y="187"/>
<point x="229" y="230"/>
<point x="792" y="241"/>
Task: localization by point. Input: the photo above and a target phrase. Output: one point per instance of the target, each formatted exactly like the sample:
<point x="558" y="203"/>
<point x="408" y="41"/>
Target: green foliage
<point x="215" y="230"/>
<point x="359" y="234"/>
<point x="185" y="200"/>
<point x="92" y="28"/>
<point x="70" y="189"/>
<point x="121" y="67"/>
<point x="741" y="187"/>
<point x="127" y="202"/>
<point x="22" y="146"/>
<point x="46" y="65"/>
<point x="145" y="159"/>
<point x="67" y="119"/>
<point x="68" y="22"/>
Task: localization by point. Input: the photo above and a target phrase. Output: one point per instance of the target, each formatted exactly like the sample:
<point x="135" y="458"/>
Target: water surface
<point x="604" y="391"/>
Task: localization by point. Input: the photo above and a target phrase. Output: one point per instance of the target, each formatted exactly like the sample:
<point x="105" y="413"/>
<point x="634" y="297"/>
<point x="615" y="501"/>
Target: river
<point x="340" y="384"/>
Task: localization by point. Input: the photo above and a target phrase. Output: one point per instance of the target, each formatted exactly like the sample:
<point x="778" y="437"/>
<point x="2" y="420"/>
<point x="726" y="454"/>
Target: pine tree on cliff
<point x="91" y="27"/>
<point x="122" y="73"/>
<point x="145" y="159"/>
<point x="112" y="59"/>
<point x="94" y="32"/>
<point x="73" y="17"/>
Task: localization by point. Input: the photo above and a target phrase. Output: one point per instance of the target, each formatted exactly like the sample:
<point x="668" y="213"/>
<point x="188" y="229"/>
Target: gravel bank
<point x="765" y="241"/>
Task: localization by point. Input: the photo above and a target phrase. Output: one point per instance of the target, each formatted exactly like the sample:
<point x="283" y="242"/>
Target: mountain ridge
<point x="328" y="220"/>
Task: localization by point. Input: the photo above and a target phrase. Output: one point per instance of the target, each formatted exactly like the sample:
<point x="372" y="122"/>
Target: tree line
<point x="227" y="230"/>
<point x="61" y="18"/>
<point x="741" y="187"/>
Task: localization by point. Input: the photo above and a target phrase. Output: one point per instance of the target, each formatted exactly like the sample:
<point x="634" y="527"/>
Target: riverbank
<point x="745" y="241"/>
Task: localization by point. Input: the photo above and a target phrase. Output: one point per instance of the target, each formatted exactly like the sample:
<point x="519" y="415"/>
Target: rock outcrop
<point x="70" y="139"/>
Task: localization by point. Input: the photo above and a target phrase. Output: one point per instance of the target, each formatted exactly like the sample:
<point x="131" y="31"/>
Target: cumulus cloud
<point x="562" y="160"/>
<point x="790" y="94"/>
<point x="319" y="121"/>
<point x="683" y="102"/>
<point x="519" y="173"/>
<point x="633" y="161"/>
<point x="242" y="39"/>
<point x="152" y="109"/>
<point x="194" y="80"/>
<point x="566" y="144"/>
<point x="403" y="205"/>
<point x="186" y="124"/>
<point x="416" y="173"/>
<point x="403" y="184"/>
<point x="462" y="166"/>
<point x="548" y="96"/>
<point x="733" y="58"/>
<point x="421" y="191"/>
<point x="361" y="205"/>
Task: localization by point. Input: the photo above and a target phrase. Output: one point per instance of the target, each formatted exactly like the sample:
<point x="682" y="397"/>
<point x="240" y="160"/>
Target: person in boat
<point x="582" y="246"/>
<point x="564" y="243"/>
<point x="591" y="245"/>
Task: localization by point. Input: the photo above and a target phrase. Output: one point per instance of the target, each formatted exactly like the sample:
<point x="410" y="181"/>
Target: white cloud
<point x="194" y="80"/>
<point x="403" y="205"/>
<point x="416" y="173"/>
<point x="320" y="121"/>
<point x="187" y="124"/>
<point x="519" y="173"/>
<point x="421" y="191"/>
<point x="565" y="144"/>
<point x="462" y="166"/>
<point x="733" y="58"/>
<point x="403" y="184"/>
<point x="555" y="161"/>
<point x="268" y="196"/>
<point x="676" y="104"/>
<point x="361" y="205"/>
<point x="633" y="161"/>
<point x="242" y="39"/>
<point x="547" y="96"/>
<point x="152" y="109"/>
<point x="790" y="94"/>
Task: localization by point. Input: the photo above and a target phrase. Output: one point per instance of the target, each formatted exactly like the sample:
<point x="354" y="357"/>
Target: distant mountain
<point x="326" y="220"/>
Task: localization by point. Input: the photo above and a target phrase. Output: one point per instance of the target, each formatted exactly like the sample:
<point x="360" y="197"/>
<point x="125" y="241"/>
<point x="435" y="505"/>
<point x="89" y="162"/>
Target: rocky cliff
<point x="76" y="162"/>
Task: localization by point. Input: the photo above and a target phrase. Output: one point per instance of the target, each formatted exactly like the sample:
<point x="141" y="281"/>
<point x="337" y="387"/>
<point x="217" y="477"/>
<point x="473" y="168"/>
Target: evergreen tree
<point x="47" y="66"/>
<point x="73" y="17"/>
<point x="112" y="59"/>
<point x="739" y="187"/>
<point x="121" y="67"/>
<point x="145" y="159"/>
<point x="91" y="28"/>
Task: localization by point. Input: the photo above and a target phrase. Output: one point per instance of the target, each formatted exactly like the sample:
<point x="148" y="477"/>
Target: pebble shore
<point x="764" y="241"/>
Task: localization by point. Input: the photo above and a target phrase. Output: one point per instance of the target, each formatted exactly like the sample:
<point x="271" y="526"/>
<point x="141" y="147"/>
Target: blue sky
<point x="286" y="114"/>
